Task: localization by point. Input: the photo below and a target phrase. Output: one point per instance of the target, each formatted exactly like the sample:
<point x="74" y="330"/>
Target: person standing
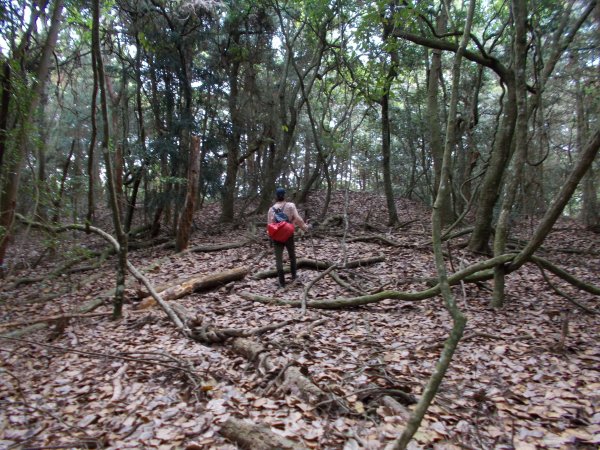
<point x="289" y="209"/>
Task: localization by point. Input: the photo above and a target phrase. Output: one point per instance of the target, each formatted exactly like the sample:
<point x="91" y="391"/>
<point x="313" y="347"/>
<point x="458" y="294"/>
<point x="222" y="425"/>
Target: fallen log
<point x="194" y="284"/>
<point x="217" y="247"/>
<point x="250" y="436"/>
<point x="52" y="319"/>
<point x="305" y="263"/>
<point x="379" y="238"/>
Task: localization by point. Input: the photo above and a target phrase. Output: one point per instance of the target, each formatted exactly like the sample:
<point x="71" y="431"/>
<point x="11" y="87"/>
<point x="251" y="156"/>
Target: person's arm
<point x="296" y="219"/>
<point x="270" y="216"/>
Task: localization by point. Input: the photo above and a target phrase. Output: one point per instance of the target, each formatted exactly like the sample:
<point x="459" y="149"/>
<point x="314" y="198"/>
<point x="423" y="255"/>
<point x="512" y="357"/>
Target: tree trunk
<point x="187" y="215"/>
<point x="491" y="184"/>
<point x="386" y="153"/>
<point x="434" y="121"/>
<point x="194" y="284"/>
<point x="57" y="202"/>
<point x="114" y="201"/>
<point x="590" y="214"/>
<point x="233" y="140"/>
<point x="116" y="99"/>
<point x="519" y="9"/>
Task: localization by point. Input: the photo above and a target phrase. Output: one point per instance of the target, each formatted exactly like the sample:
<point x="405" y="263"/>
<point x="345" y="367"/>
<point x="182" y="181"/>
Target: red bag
<point x="280" y="232"/>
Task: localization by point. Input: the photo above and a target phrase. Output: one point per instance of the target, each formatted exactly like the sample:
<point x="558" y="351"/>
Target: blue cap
<point x="280" y="193"/>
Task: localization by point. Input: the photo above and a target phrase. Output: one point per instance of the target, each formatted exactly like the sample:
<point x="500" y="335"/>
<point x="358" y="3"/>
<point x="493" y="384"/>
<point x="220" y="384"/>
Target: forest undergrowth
<point x="525" y="376"/>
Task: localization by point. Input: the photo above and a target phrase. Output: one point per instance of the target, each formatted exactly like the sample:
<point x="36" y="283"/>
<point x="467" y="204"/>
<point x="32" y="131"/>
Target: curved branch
<point x="544" y="263"/>
<point x="439" y="44"/>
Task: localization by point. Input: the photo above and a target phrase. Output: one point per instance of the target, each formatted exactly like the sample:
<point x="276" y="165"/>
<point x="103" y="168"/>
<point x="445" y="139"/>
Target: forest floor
<point x="525" y="376"/>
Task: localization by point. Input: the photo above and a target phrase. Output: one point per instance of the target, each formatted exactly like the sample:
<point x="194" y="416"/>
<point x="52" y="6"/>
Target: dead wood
<point x="255" y="437"/>
<point x="396" y="407"/>
<point x="218" y="247"/>
<point x="24" y="331"/>
<point x="346" y="285"/>
<point x="194" y="284"/>
<point x="379" y="238"/>
<point x="34" y="326"/>
<point x="397" y="393"/>
<point x="49" y="319"/>
<point x="305" y="263"/>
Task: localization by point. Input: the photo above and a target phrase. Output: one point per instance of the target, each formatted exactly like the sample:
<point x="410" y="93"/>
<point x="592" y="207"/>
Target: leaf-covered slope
<point x="525" y="376"/>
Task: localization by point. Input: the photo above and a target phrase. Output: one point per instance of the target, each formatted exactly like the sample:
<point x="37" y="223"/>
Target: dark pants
<point x="289" y="244"/>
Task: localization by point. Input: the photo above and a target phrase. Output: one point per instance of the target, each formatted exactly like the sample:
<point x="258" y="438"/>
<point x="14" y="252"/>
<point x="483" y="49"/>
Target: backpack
<point x="282" y="229"/>
<point x="280" y="216"/>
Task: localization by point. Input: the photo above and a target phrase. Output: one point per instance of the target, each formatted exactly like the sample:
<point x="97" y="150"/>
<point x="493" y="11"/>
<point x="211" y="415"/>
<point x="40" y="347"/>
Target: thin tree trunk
<point x="114" y="201"/>
<point x="519" y="9"/>
<point x="387" y="153"/>
<point x="490" y="188"/>
<point x="434" y="121"/>
<point x="187" y="215"/>
<point x="59" y="196"/>
<point x="589" y="210"/>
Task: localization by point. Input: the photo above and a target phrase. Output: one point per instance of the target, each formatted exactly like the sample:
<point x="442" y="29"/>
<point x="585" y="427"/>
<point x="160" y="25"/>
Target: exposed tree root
<point x="293" y="379"/>
<point x="205" y="333"/>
